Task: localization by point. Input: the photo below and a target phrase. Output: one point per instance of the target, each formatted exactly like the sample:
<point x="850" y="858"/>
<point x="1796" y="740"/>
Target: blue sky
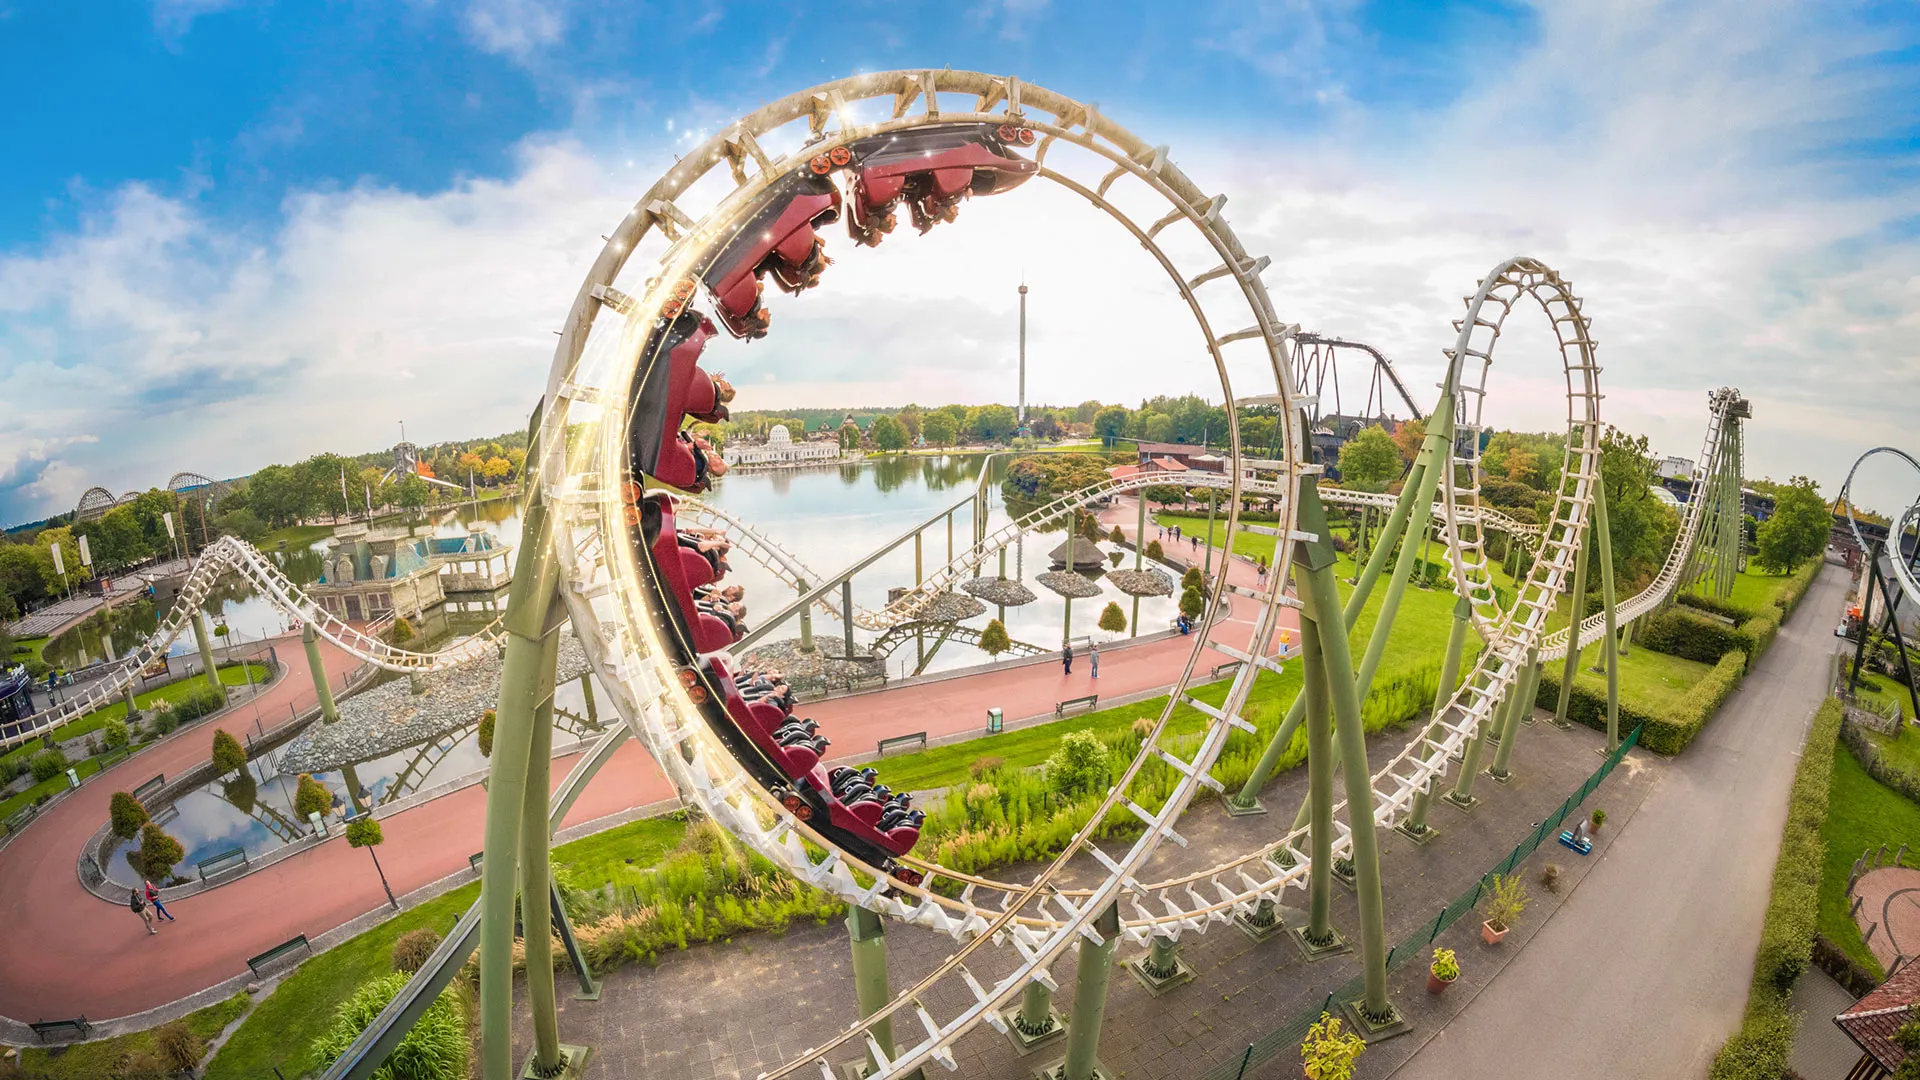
<point x="233" y="233"/>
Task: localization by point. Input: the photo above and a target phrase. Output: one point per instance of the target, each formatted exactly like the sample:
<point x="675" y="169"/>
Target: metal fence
<point x="1290" y="1034"/>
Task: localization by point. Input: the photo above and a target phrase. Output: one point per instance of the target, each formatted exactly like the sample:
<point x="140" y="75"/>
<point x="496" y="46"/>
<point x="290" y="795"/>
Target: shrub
<point x="1506" y="899"/>
<point x="1117" y="536"/>
<point x="1690" y="637"/>
<point x="47" y="764"/>
<point x="435" y="1048"/>
<point x="311" y="797"/>
<point x="1445" y="965"/>
<point x="1550" y="877"/>
<point x="1761" y="1046"/>
<point x="1112" y="619"/>
<point x="165" y="722"/>
<point x="402" y="632"/>
<point x="411" y="951"/>
<point x="1079" y="763"/>
<point x="126" y="815"/>
<point x="1871" y="759"/>
<point x="178" y="1045"/>
<point x="1192" y="603"/>
<point x="159" y="853"/>
<point x="11" y="769"/>
<point x="1155" y="551"/>
<point x="201" y="699"/>
<point x="983" y="766"/>
<point x="115" y="734"/>
<point x="1192" y="579"/>
<point x="994" y="639"/>
<point x="1760" y="630"/>
<point x="228" y="754"/>
<point x="1665" y="733"/>
<point x="1327" y="1053"/>
<point x="486" y="734"/>
<point x="364" y="831"/>
<point x="1143" y="727"/>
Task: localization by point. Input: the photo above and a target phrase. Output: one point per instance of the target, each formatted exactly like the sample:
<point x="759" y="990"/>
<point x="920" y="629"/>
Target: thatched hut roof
<point x="1078" y="553"/>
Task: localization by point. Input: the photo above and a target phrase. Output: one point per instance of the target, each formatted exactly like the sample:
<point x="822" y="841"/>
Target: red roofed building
<point x="1873" y="1020"/>
<point x="1147" y="465"/>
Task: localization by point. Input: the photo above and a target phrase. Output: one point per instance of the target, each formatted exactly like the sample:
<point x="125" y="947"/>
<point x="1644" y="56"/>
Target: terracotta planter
<point x="1490" y="935"/>
<point x="1436" y="984"/>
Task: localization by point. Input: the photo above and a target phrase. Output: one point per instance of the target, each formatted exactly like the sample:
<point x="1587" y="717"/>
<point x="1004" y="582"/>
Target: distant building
<point x="778" y="450"/>
<point x="368" y="572"/>
<point x="1675" y="468"/>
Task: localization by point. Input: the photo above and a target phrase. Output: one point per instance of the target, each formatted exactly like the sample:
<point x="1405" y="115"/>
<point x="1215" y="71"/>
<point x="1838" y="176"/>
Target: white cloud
<point x="173" y="18"/>
<point x="516" y="28"/>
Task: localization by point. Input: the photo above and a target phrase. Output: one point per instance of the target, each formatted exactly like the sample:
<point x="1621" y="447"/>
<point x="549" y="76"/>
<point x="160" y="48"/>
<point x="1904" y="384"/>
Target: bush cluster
<point x="47" y="764"/>
<point x="199" y="700"/>
<point x="412" y="949"/>
<point x="435" y="1048"/>
<point x="1666" y="732"/>
<point x="1690" y="637"/>
<point x="126" y="815"/>
<point x="1760" y="1048"/>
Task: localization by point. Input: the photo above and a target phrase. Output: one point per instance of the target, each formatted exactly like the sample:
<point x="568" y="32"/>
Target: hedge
<point x="1876" y="763"/>
<point x="1691" y="637"/>
<point x="1761" y="1046"/>
<point x="1666" y="733"/>
<point x="1713" y="605"/>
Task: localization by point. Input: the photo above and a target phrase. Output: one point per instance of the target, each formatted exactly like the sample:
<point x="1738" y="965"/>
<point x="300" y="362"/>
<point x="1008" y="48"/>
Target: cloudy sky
<point x="235" y="233"/>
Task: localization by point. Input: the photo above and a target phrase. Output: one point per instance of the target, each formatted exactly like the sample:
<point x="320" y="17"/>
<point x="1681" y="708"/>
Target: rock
<point x="253" y="988"/>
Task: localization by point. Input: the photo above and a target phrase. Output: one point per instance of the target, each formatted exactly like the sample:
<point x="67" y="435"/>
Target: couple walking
<point x="144" y="902"/>
<point x="1093" y="658"/>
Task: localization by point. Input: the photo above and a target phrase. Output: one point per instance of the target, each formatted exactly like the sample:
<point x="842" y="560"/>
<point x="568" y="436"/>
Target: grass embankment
<point x="125" y="1054"/>
<point x="1862" y="814"/>
<point x="1760" y="1048"/>
<point x="282" y="1030"/>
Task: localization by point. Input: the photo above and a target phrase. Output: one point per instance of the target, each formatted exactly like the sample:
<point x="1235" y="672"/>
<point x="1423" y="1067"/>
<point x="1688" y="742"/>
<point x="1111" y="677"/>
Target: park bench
<point x="299" y="941"/>
<point x="474" y="860"/>
<point x="221" y="861"/>
<point x="19" y="820"/>
<point x="1222" y="669"/>
<point x="77" y="1027"/>
<point x="1060" y="707"/>
<point x="918" y="738"/>
<point x="140" y="793"/>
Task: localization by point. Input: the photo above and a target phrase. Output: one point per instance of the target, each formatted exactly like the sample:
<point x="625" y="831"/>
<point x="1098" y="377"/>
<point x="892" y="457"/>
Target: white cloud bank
<point x="1682" y="164"/>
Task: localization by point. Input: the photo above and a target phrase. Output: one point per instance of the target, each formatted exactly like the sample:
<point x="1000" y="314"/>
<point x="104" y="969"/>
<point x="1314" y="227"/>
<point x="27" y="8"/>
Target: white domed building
<point x="779" y="450"/>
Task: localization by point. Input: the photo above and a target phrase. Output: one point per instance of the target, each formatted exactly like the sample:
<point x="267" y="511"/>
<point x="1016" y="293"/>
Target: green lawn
<point x="1651" y="681"/>
<point x="107" y="1057"/>
<point x="30" y="648"/>
<point x="282" y="1029"/>
<point x="16" y="803"/>
<point x="1862" y="813"/>
<point x="1876" y="692"/>
<point x="172" y="692"/>
<point x="1755" y="590"/>
<point x="1903" y="751"/>
<point x="295" y="536"/>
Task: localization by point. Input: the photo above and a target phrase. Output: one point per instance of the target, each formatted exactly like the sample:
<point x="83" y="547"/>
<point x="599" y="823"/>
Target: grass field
<point x="1755" y="590"/>
<point x="172" y="692"/>
<point x="1648" y="680"/>
<point x="295" y="536"/>
<point x="1862" y="813"/>
<point x="282" y="1029"/>
<point x="108" y="1057"/>
<point x="1876" y="692"/>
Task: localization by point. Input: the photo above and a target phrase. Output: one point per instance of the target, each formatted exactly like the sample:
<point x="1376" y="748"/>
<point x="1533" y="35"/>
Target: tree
<point x="364" y="832"/>
<point x="115" y="734"/>
<point x="888" y="433"/>
<point x="1409" y="439"/>
<point x="411" y="492"/>
<point x="228" y="754"/>
<point x="992" y="423"/>
<point x="909" y="420"/>
<point x="125" y="815"/>
<point x="1079" y="763"/>
<point x="495" y="469"/>
<point x="1116" y="536"/>
<point x="994" y="639"/>
<point x="1369" y="460"/>
<point x="1159" y="428"/>
<point x="1112" y="619"/>
<point x="1164" y="494"/>
<point x="939" y="429"/>
<point x="1192" y="603"/>
<point x="1192" y="579"/>
<point x="485" y="737"/>
<point x="311" y="797"/>
<point x="1798" y="529"/>
<point x="1110" y="423"/>
<point x="1155" y="552"/>
<point x="158" y="853"/>
<point x="1043" y="425"/>
<point x="1090" y="527"/>
<point x="1640" y="528"/>
<point x="849" y="435"/>
<point x="26" y="573"/>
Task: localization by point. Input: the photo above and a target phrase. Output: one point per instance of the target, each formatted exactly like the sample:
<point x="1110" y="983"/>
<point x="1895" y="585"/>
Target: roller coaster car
<point x="780" y="237"/>
<point x="668" y="388"/>
<point x="932" y="169"/>
<point x="681" y="570"/>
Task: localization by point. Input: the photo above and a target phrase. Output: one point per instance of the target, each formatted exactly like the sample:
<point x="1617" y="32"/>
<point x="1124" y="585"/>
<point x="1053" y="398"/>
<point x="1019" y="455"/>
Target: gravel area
<point x="1001" y="592"/>
<point x="1142" y="582"/>
<point x="949" y="607"/>
<point x="1070" y="585"/>
<point x="817" y="671"/>
<point x="391" y="716"/>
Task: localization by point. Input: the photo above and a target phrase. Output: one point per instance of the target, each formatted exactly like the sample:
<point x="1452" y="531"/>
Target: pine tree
<point x="228" y="754"/>
<point x="1112" y="619"/>
<point x="994" y="639"/>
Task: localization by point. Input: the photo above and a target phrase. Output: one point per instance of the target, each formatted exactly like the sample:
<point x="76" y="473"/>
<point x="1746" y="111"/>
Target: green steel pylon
<point x="1416" y="827"/>
<point x="208" y="667"/>
<point x="321" y="688"/>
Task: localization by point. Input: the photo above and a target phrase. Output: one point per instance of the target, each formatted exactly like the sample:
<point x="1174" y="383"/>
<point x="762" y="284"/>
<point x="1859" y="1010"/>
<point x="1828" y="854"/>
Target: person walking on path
<point x="1066" y="657"/>
<point x="153" y="897"/>
<point x="1093" y="658"/>
<point x="138" y="904"/>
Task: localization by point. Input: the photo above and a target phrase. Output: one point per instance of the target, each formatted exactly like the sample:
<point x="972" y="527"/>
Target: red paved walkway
<point x="64" y="952"/>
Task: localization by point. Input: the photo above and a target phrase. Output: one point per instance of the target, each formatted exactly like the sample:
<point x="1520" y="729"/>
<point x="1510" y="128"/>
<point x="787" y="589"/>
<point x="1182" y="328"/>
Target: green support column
<point x="870" y="987"/>
<point x="536" y="918"/>
<point x="127" y="691"/>
<point x="1139" y="540"/>
<point x="586" y="694"/>
<point x="1609" y="643"/>
<point x="846" y="615"/>
<point x="1161" y="968"/>
<point x="1034" y="1021"/>
<point x="1066" y="631"/>
<point x="806" y="619"/>
<point x="535" y="573"/>
<point x="1319" y="932"/>
<point x="918" y="575"/>
<point x="328" y="711"/>
<point x="1520" y="705"/>
<point x="1577" y="610"/>
<point x="200" y="639"/>
<point x="1321" y="598"/>
<point x="1090" y="1001"/>
<point x="1416" y="827"/>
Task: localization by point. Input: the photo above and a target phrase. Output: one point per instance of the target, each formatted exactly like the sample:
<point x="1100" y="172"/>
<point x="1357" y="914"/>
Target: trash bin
<point x="993" y="721"/>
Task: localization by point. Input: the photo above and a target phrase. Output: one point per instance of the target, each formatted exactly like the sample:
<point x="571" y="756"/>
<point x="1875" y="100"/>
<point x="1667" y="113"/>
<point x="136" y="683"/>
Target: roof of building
<point x="1085" y="552"/>
<point x="1167" y="464"/>
<point x="1121" y="472"/>
<point x="1874" y="1018"/>
<point x="1183" y="449"/>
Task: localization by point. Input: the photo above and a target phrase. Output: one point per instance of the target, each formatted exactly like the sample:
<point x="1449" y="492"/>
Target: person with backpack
<point x="153" y="897"/>
<point x="138" y="905"/>
<point x="1066" y="658"/>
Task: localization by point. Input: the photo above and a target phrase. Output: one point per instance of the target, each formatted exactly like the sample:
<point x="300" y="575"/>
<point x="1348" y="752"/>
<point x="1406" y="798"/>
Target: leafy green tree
<point x="115" y="734"/>
<point x="125" y="815"/>
<point x="1193" y="579"/>
<point x="412" y="490"/>
<point x="1159" y="428"/>
<point x="1640" y="527"/>
<point x="1154" y="551"/>
<point x="1090" y="527"/>
<point x="485" y="736"/>
<point x="1192" y="603"/>
<point x="849" y="435"/>
<point x="888" y="433"/>
<point x="1111" y="422"/>
<point x="1798" y="530"/>
<point x="311" y="797"/>
<point x="994" y="639"/>
<point x="1369" y="460"/>
<point x="1117" y="536"/>
<point x="26" y="573"/>
<point x="939" y="429"/>
<point x="228" y="754"/>
<point x="1112" y="619"/>
<point x="1165" y="494"/>
<point x="364" y="832"/>
<point x="159" y="853"/>
<point x="1079" y="763"/>
<point x="992" y="423"/>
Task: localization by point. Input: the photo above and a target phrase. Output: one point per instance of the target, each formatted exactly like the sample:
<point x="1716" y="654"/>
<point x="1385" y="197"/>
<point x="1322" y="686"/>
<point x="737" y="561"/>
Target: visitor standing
<point x="1093" y="658"/>
<point x="153" y="897"/>
<point x="138" y="905"/>
<point x="1066" y="657"/>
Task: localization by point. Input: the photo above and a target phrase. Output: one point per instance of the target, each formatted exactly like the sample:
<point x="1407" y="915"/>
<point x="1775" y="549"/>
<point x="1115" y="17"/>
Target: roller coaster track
<point x="229" y="556"/>
<point x="1898" y="568"/>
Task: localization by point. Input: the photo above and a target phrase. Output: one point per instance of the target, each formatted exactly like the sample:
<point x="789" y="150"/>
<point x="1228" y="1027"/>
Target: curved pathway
<point x="65" y="952"/>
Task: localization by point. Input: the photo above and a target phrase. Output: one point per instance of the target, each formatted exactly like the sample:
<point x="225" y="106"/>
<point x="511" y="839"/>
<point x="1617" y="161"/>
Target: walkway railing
<point x="1290" y="1034"/>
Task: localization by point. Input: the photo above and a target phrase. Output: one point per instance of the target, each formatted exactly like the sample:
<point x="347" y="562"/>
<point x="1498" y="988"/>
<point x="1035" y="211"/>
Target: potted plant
<point x="1598" y="817"/>
<point x="1507" y="898"/>
<point x="1443" y="971"/>
<point x="1329" y="1053"/>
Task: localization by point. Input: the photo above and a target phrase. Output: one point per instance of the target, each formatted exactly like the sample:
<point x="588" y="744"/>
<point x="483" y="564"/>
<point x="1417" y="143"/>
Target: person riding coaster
<point x="931" y="169"/>
<point x="781" y="236"/>
<point x="668" y="388"/>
